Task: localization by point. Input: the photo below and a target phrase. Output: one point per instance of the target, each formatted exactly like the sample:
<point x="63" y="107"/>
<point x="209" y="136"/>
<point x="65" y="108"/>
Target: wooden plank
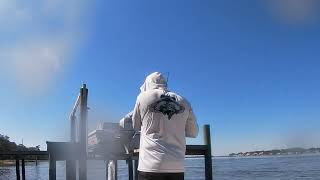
<point x="22" y="153"/>
<point x="27" y="155"/>
<point x="64" y="150"/>
<point x="190" y="150"/>
<point x="196" y="149"/>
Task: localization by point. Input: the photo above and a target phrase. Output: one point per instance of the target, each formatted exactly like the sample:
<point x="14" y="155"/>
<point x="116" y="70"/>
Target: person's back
<point x="165" y="119"/>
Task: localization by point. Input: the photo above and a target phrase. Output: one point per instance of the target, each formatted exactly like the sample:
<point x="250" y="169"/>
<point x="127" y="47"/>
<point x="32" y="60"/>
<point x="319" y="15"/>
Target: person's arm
<point x="192" y="128"/>
<point x="136" y="117"/>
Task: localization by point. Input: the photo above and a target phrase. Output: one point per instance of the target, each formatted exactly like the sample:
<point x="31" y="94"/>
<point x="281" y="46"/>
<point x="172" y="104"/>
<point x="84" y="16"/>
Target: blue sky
<point x="250" y="69"/>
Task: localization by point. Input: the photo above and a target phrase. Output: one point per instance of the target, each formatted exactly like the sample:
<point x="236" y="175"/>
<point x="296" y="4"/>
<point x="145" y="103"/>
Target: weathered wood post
<point x="73" y="128"/>
<point x="17" y="169"/>
<point x="116" y="169"/>
<point x="52" y="168"/>
<point x="130" y="168"/>
<point x="23" y="170"/>
<point x="83" y="133"/>
<point x="136" y="163"/>
<point x="71" y="164"/>
<point x="207" y="156"/>
<point x="107" y="169"/>
<point x="36" y="160"/>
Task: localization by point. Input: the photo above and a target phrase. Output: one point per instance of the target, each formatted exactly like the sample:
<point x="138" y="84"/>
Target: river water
<point x="301" y="167"/>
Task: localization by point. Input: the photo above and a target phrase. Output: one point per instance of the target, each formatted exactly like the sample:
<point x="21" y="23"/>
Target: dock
<point x="75" y="152"/>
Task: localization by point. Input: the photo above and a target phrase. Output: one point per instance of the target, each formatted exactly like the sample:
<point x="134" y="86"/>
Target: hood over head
<point x="154" y="81"/>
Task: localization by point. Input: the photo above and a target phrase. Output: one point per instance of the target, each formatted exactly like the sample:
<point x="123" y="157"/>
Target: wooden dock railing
<point x="69" y="151"/>
<point x="23" y="156"/>
<point x="76" y="149"/>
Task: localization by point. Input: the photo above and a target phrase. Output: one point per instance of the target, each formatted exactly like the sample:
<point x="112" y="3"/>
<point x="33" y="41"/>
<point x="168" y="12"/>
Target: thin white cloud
<point x="43" y="35"/>
<point x="34" y="63"/>
<point x="294" y="11"/>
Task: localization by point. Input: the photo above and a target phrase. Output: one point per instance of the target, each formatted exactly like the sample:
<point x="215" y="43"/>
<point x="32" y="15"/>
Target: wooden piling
<point x="17" y="169"/>
<point x="130" y="168"/>
<point x="136" y="169"/>
<point x="23" y="170"/>
<point x="207" y="156"/>
<point x="73" y="128"/>
<point x="116" y="169"/>
<point x="71" y="172"/>
<point x="107" y="169"/>
<point x="83" y="133"/>
<point x="52" y="169"/>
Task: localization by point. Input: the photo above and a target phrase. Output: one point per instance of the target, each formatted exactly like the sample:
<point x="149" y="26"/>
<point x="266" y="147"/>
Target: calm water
<point x="257" y="168"/>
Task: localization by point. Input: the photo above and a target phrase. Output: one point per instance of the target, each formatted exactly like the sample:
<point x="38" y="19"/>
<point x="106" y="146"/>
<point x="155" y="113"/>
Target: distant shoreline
<point x="277" y="152"/>
<point x="7" y="162"/>
<point x="13" y="162"/>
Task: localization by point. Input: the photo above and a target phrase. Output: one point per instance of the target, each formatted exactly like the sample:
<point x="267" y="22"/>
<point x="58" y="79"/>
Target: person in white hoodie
<point x="165" y="120"/>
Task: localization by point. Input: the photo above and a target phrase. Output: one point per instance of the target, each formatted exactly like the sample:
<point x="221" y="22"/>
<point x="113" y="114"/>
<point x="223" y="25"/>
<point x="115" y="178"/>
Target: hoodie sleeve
<point x="192" y="128"/>
<point x="136" y="117"/>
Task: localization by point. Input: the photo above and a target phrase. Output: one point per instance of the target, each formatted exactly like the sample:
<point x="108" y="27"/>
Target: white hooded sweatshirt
<point x="165" y="119"/>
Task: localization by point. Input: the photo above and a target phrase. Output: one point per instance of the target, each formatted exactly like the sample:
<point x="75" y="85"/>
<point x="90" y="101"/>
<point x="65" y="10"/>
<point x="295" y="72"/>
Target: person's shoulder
<point x="146" y="94"/>
<point x="180" y="98"/>
<point x="175" y="94"/>
<point x="139" y="97"/>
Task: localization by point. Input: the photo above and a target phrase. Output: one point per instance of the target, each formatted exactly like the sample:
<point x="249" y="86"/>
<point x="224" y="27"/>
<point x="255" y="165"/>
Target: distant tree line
<point x="288" y="151"/>
<point x="7" y="145"/>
